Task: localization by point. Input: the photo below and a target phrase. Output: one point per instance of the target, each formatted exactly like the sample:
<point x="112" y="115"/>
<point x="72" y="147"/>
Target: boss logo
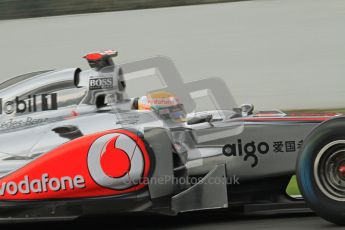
<point x="101" y="83"/>
<point x="31" y="103"/>
<point x="116" y="161"/>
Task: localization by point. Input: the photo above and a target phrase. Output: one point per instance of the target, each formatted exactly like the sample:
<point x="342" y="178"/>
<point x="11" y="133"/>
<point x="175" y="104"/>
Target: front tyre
<point x="321" y="170"/>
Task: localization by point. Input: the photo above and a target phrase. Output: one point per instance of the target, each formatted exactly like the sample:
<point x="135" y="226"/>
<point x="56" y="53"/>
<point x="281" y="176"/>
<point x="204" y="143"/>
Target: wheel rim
<point x="329" y="170"/>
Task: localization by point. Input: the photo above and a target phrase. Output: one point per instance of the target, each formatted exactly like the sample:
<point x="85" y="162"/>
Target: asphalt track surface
<point x="197" y="221"/>
<point x="283" y="54"/>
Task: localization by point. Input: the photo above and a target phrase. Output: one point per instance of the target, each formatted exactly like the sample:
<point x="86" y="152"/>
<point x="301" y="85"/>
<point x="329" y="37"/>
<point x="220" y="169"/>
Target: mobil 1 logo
<point x="101" y="83"/>
<point x="29" y="104"/>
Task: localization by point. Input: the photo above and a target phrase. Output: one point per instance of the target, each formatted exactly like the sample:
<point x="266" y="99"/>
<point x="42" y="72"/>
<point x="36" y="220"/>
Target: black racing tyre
<point x="321" y="170"/>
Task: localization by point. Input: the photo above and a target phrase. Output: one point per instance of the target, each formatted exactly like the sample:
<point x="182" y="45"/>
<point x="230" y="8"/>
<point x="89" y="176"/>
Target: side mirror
<point x="247" y="109"/>
<point x="200" y="119"/>
<point x="68" y="131"/>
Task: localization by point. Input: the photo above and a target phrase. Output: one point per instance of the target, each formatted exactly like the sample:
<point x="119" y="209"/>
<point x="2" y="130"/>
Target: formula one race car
<point x="74" y="144"/>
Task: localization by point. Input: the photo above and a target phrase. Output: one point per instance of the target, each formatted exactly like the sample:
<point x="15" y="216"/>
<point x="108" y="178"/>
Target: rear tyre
<point x="321" y="170"/>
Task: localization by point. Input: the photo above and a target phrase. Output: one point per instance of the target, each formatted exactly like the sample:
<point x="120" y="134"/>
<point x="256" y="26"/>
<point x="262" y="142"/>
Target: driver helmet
<point x="166" y="105"/>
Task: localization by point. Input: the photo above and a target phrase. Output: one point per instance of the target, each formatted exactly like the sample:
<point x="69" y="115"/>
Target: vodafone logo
<point x="116" y="161"/>
<point x="109" y="163"/>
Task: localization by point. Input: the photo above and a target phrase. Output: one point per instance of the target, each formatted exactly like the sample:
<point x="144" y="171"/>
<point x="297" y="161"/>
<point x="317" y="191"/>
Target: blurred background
<point x="287" y="54"/>
<point x="10" y="9"/>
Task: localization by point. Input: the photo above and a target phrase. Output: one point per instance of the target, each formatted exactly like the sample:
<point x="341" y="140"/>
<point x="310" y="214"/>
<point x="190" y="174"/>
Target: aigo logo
<point x="118" y="161"/>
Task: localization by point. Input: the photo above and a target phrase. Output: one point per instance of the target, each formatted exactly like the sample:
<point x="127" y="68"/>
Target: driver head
<point x="165" y="104"/>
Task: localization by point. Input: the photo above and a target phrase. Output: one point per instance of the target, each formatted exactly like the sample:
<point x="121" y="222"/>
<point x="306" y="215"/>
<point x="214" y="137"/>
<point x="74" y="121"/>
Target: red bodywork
<point x="66" y="165"/>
